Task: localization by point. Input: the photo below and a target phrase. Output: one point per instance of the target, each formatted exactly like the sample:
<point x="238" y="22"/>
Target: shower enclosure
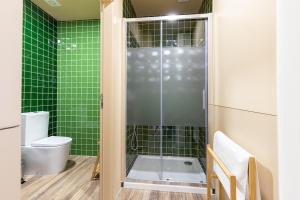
<point x="166" y="107"/>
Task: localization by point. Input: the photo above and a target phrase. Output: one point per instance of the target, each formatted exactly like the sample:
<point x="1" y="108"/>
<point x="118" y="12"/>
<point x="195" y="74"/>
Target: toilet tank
<point x="34" y="127"/>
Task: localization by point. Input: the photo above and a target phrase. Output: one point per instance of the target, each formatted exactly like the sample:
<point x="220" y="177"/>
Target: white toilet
<point x="42" y="155"/>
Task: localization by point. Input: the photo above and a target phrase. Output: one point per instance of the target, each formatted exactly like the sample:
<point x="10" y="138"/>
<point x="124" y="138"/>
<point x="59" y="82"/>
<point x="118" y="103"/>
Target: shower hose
<point x="134" y="140"/>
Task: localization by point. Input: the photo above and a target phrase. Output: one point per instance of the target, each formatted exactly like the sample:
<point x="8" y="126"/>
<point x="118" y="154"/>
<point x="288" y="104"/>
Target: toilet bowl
<point x="42" y="155"/>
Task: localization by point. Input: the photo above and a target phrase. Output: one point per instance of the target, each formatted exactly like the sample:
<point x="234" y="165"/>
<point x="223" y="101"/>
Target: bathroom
<point x="125" y="99"/>
<point x="60" y="91"/>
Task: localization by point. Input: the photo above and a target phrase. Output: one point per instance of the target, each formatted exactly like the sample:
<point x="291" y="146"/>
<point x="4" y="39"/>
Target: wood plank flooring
<point x="73" y="184"/>
<point x="131" y="194"/>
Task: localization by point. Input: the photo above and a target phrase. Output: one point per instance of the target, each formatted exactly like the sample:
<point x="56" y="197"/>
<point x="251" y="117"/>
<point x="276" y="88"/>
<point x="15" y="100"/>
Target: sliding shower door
<point x="143" y="99"/>
<point x="166" y="100"/>
<point x="184" y="100"/>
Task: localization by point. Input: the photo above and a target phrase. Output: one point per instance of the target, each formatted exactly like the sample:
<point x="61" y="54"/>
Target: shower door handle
<point x="204" y="99"/>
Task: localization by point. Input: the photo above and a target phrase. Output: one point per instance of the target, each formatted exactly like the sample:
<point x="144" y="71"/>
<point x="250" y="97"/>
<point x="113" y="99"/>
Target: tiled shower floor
<point x="173" y="169"/>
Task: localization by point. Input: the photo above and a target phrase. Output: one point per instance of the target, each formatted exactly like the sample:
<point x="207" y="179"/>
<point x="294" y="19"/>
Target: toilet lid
<point x="52" y="141"/>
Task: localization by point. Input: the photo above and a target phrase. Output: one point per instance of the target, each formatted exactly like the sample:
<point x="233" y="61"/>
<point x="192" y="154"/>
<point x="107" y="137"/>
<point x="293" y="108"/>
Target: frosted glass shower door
<point x="166" y="100"/>
<point x="183" y="86"/>
<point x="143" y="73"/>
<point x="143" y="100"/>
<point x="184" y="99"/>
<point x="184" y="73"/>
<point x="143" y="86"/>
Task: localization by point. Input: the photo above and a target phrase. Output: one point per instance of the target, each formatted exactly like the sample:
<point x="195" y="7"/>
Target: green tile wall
<point x="39" y="63"/>
<point x="60" y="74"/>
<point x="206" y="6"/>
<point x="128" y="10"/>
<point x="187" y="141"/>
<point x="78" y="84"/>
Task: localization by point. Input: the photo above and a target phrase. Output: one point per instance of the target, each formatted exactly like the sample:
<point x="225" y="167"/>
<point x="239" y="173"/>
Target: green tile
<point x="61" y="78"/>
<point x="76" y="107"/>
<point x="206" y="7"/>
<point x="35" y="50"/>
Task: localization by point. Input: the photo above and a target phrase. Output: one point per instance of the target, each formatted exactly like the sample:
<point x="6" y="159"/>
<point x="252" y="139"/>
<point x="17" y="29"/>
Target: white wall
<point x="288" y="68"/>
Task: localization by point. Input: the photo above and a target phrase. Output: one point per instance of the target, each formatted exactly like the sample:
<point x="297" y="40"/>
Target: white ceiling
<point x="72" y="9"/>
<point x="146" y="8"/>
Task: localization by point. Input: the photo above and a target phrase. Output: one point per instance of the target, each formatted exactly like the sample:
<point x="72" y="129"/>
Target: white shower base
<point x="173" y="169"/>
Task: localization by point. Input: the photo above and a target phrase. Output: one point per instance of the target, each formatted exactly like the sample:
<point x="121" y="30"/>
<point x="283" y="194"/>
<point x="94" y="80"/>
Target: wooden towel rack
<point x="211" y="156"/>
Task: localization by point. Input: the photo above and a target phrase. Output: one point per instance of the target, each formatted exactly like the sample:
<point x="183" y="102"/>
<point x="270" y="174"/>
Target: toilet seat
<point x="52" y="141"/>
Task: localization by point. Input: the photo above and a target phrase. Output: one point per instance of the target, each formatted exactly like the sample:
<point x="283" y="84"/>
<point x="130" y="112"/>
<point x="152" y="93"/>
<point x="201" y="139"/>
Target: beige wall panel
<point x="123" y="103"/>
<point x="111" y="146"/>
<point x="107" y="140"/>
<point x="256" y="133"/>
<point x="245" y="54"/>
<point x="10" y="63"/>
<point x="211" y="123"/>
<point x="210" y="60"/>
<point x="10" y="159"/>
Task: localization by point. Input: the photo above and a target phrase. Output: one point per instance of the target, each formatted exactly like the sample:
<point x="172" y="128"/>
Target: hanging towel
<point x="235" y="158"/>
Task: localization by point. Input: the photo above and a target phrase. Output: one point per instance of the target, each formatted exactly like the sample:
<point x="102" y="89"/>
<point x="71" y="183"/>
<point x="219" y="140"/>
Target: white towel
<point x="235" y="158"/>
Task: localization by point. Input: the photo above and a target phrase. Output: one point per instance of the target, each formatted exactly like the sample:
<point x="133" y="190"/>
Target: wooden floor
<point x="131" y="194"/>
<point x="167" y="183"/>
<point x="73" y="184"/>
